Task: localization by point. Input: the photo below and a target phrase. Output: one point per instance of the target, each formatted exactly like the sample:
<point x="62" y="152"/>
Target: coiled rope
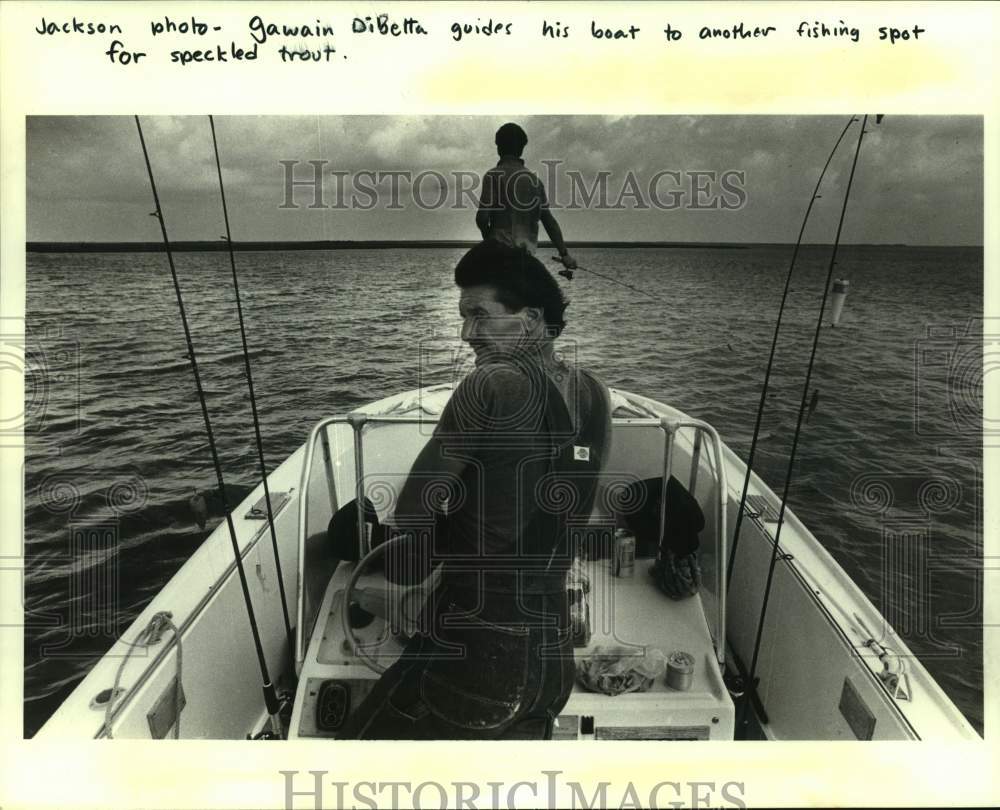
<point x="149" y="635"/>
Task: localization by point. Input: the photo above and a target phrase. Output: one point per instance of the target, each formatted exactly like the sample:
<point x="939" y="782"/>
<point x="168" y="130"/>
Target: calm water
<point x="116" y="437"/>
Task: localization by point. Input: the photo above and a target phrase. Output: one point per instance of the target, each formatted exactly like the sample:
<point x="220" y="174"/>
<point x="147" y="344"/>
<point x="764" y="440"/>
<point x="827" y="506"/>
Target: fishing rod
<point x="608" y="278"/>
<point x="270" y="696"/>
<point x="751" y="686"/>
<point x="770" y="359"/>
<point x="253" y="400"/>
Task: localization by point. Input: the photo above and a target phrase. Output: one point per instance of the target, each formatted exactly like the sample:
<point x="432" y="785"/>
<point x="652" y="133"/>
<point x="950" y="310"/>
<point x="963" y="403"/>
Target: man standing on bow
<point x="513" y="201"/>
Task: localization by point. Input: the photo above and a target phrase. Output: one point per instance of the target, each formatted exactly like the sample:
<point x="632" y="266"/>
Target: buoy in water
<point x="840" y="287"/>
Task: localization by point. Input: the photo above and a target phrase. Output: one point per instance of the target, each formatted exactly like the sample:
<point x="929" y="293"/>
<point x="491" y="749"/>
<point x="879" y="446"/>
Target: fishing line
<point x="798" y="425"/>
<point x="609" y="278"/>
<point x="770" y="359"/>
<point x="270" y="698"/>
<point x="253" y="399"/>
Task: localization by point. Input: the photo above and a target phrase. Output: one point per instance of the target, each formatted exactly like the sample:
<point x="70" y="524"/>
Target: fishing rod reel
<point x="565" y="272"/>
<point x="735" y="684"/>
<point x="286" y="701"/>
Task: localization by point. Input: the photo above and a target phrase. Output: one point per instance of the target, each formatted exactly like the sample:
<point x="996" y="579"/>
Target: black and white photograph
<point x="475" y="400"/>
<point x="498" y="405"/>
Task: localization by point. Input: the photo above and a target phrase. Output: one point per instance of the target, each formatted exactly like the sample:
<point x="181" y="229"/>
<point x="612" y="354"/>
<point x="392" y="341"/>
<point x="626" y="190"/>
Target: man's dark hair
<point x="511" y="140"/>
<point x="519" y="278"/>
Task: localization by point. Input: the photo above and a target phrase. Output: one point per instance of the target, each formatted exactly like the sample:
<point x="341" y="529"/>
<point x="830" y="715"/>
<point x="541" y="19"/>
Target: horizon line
<point x="50" y="246"/>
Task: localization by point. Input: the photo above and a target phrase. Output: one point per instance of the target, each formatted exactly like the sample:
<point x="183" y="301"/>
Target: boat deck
<point x="623" y="610"/>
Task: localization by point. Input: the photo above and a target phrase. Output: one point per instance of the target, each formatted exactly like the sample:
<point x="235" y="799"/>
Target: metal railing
<point x="668" y="425"/>
<point x="670" y="428"/>
<point x="357" y="421"/>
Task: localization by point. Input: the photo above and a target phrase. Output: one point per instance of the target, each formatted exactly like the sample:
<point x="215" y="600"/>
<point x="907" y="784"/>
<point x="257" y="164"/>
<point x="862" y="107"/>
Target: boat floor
<point x="625" y="612"/>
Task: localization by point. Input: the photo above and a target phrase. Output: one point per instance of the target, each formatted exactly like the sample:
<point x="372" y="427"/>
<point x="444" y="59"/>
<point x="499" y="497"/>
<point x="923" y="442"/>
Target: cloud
<point x="919" y="178"/>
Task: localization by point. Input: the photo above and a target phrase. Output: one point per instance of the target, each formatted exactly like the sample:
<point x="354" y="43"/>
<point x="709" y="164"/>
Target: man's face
<point x="489" y="327"/>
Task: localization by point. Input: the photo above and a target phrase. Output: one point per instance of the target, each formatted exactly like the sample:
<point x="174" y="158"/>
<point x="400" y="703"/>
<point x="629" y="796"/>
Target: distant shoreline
<point x="423" y="244"/>
<point x="157" y="247"/>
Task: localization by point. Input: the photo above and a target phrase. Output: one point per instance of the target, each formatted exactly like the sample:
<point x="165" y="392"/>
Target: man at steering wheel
<point x="517" y="452"/>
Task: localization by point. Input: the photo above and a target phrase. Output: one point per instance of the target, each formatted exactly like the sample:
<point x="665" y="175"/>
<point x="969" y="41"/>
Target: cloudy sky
<point x="919" y="179"/>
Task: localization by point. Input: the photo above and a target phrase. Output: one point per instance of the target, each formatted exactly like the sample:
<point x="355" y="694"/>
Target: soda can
<point x="624" y="565"/>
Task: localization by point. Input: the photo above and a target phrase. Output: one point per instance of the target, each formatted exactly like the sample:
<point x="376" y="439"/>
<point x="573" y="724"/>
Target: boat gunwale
<point x="212" y="593"/>
<point x="822" y="565"/>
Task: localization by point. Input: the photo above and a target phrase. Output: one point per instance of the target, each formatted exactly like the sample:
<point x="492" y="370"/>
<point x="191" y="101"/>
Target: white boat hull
<point x="818" y="679"/>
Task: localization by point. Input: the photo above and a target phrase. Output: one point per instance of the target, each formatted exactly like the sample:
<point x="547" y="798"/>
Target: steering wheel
<point x="408" y="604"/>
